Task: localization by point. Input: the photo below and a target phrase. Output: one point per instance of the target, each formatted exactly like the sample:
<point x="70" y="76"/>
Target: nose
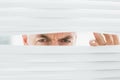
<point x="54" y="43"/>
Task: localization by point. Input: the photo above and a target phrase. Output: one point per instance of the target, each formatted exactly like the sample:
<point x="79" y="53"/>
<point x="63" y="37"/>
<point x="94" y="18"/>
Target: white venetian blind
<point x="59" y="15"/>
<point x="59" y="63"/>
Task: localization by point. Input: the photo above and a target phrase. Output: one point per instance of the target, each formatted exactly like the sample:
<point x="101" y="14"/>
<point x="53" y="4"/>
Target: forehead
<point x="56" y="35"/>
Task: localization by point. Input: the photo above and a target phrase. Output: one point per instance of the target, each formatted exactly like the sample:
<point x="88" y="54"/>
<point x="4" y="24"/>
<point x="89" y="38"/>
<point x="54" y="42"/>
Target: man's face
<point x="51" y="39"/>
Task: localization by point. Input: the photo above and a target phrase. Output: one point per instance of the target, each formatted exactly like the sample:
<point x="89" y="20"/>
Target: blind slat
<point x="56" y="62"/>
<point x="23" y="16"/>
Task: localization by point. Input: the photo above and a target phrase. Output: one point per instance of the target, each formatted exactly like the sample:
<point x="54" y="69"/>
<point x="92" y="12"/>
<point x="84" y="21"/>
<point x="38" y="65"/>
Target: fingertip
<point x="93" y="43"/>
<point x="97" y="35"/>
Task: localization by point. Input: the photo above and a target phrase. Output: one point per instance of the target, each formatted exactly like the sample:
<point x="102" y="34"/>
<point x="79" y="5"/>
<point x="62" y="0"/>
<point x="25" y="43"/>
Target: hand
<point x="104" y="39"/>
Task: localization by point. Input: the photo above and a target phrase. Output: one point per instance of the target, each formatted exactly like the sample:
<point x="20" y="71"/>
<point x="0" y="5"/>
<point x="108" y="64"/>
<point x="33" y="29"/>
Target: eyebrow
<point x="44" y="36"/>
<point x="67" y="37"/>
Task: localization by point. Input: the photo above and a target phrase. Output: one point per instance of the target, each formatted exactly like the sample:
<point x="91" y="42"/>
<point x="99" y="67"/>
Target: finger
<point x="109" y="39"/>
<point x="99" y="38"/>
<point x="115" y="39"/>
<point x="93" y="43"/>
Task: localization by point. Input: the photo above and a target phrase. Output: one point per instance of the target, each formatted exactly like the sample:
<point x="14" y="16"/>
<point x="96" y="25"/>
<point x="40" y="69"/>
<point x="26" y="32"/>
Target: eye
<point x="65" y="41"/>
<point x="43" y="40"/>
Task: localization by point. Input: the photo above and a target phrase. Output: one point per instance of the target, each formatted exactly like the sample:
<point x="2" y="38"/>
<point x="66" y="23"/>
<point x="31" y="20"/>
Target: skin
<point x="51" y="39"/>
<point x="104" y="39"/>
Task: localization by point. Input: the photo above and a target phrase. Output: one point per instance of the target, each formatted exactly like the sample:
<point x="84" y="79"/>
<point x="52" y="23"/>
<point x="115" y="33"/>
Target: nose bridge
<point x="55" y="41"/>
<point x="54" y="44"/>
